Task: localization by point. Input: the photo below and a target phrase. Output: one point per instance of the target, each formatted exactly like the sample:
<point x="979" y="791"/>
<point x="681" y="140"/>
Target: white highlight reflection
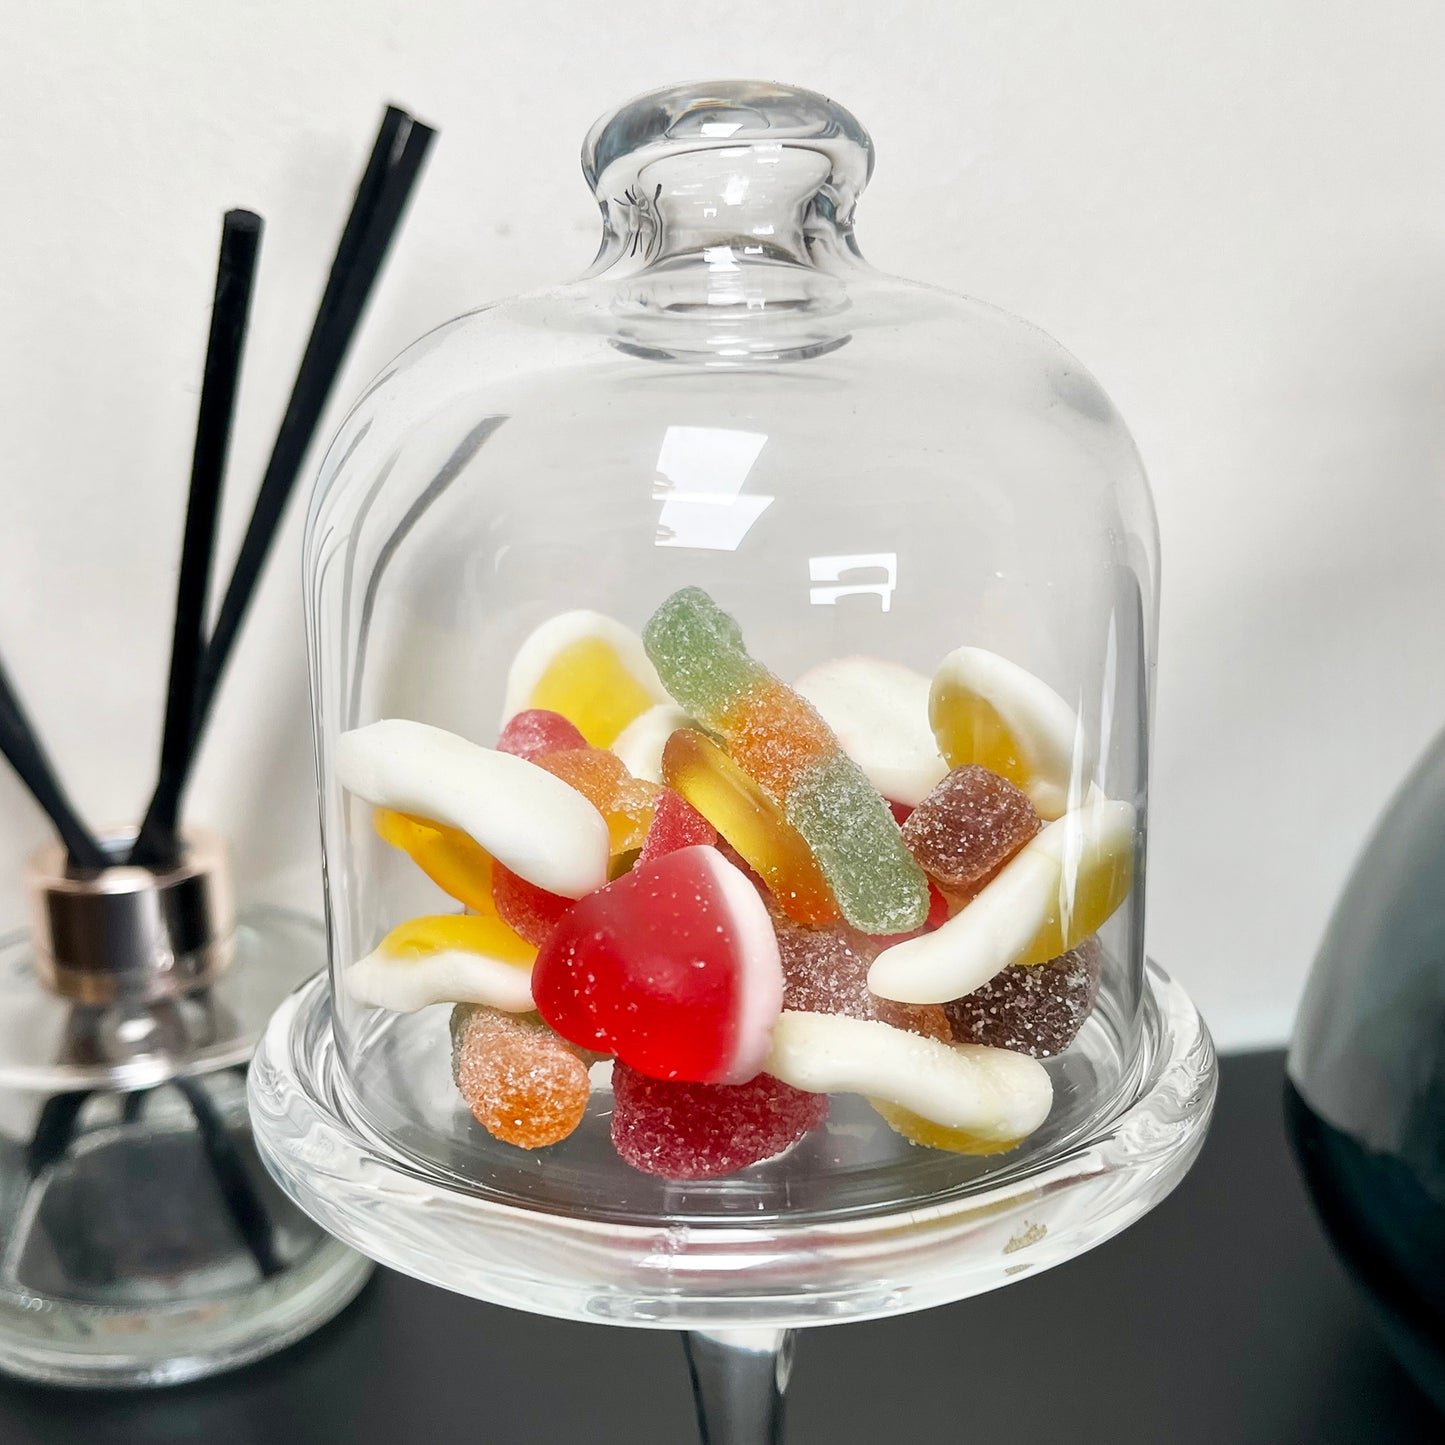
<point x="830" y="569"/>
<point x="702" y="472"/>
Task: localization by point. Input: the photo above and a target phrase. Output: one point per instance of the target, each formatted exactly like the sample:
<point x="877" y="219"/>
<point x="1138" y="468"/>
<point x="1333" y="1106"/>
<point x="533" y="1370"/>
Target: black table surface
<point x="1221" y="1317"/>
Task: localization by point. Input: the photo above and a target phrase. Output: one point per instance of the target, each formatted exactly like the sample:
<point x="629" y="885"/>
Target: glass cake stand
<point x="736" y="664"/>
<point x="848" y="1227"/>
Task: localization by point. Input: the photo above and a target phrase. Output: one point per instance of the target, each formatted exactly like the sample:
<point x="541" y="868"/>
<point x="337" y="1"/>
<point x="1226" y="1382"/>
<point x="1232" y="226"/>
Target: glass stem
<point x="738" y="1382"/>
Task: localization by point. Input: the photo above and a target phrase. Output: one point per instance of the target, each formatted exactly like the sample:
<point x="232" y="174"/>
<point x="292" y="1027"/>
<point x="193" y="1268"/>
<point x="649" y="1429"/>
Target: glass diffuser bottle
<point x="732" y="678"/>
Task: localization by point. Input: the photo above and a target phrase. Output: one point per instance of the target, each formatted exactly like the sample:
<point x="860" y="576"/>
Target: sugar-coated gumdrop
<point x="676" y="824"/>
<point x="452" y="860"/>
<point x="602" y="778"/>
<point x="589" y="668"/>
<point x="522" y="1083"/>
<point x="447" y="958"/>
<point x="530" y="911"/>
<point x="879" y="712"/>
<point x="972" y="823"/>
<point x="673" y="968"/>
<point x="701" y="1131"/>
<point x="699" y="654"/>
<point x="703" y="774"/>
<point x="985" y="709"/>
<point x="535" y="824"/>
<point x="825" y="970"/>
<point x="1037" y="1010"/>
<point x="535" y="730"/>
<point x="1059" y="888"/>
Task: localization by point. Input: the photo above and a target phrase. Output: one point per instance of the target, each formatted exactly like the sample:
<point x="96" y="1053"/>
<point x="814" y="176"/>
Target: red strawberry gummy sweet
<point x="526" y="909"/>
<point x="673" y="969"/>
<point x="536" y="731"/>
<point x="676" y="824"/>
<point x="699" y="1131"/>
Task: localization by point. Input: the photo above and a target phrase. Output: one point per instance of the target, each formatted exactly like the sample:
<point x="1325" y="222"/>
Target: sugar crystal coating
<point x="1036" y="1010"/>
<point x="750" y="822"/>
<point x="525" y="908"/>
<point x="878" y="885"/>
<point x="775" y="736"/>
<point x="699" y="654"/>
<point x="701" y="1131"/>
<point x="972" y="823"/>
<point x="675" y="824"/>
<point x="536" y="730"/>
<point x="522" y="1083"/>
<point x="825" y="970"/>
<point x="602" y="778"/>
<point x="782" y="742"/>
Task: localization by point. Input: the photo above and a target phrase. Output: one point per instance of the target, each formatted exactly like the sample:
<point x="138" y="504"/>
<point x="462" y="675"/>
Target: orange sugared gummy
<point x="523" y="1084"/>
<point x="602" y="778"/>
<point x="774" y="735"/>
<point x="751" y="822"/>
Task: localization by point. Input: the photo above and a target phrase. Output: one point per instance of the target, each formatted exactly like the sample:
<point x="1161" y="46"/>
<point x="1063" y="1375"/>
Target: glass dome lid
<point x="732" y="683"/>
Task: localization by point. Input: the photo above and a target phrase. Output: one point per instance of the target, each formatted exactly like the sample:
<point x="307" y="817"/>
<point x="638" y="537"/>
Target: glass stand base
<point x="771" y="1271"/>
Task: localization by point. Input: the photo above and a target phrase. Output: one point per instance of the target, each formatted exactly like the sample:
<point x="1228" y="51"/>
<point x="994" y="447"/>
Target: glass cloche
<point x="732" y="685"/>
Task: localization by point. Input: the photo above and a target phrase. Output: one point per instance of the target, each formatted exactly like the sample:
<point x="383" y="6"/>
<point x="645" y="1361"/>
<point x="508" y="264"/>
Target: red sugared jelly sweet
<point x="673" y="968"/>
<point x="699" y="1131"/>
<point x="525" y="908"/>
<point x="536" y="731"/>
<point x="676" y="824"/>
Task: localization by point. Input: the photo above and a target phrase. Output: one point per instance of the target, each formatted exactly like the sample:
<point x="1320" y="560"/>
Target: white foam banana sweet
<point x="448" y="958"/>
<point x="879" y="713"/>
<point x="536" y="825"/>
<point x="590" y="668"/>
<point x="994" y="1095"/>
<point x="451" y="976"/>
<point x="1050" y="896"/>
<point x="985" y="709"/>
<point x="641" y="742"/>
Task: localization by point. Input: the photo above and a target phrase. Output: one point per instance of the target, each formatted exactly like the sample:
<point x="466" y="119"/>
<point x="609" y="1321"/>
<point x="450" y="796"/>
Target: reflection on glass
<point x="832" y="569"/>
<point x="701" y="473"/>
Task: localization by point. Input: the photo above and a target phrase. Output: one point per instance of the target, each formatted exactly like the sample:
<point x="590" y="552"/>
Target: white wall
<point x="1234" y="213"/>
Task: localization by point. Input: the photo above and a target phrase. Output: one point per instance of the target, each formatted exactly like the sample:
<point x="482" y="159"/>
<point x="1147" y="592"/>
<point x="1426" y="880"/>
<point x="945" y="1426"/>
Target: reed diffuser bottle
<point x="141" y="1240"/>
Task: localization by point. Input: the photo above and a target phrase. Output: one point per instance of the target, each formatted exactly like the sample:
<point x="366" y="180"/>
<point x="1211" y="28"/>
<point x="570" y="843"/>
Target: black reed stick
<point x="243" y="1201"/>
<point x="157" y="844"/>
<point x="381" y="197"/>
<point x="20" y="744"/>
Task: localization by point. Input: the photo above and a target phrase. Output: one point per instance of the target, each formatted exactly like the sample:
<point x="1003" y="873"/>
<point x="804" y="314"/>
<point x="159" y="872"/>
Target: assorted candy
<point x="1049" y="897"/>
<point x="779" y="740"/>
<point x="588" y="668"/>
<point x="749" y="896"/>
<point x="1036" y="1010"/>
<point x="704" y="775"/>
<point x="535" y="824"/>
<point x="985" y="709"/>
<point x="985" y="1100"/>
<point x="699" y="1131"/>
<point x="969" y="826"/>
<point x="673" y="968"/>
<point x="879" y="712"/>
<point x="452" y="958"/>
<point x="522" y="1083"/>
